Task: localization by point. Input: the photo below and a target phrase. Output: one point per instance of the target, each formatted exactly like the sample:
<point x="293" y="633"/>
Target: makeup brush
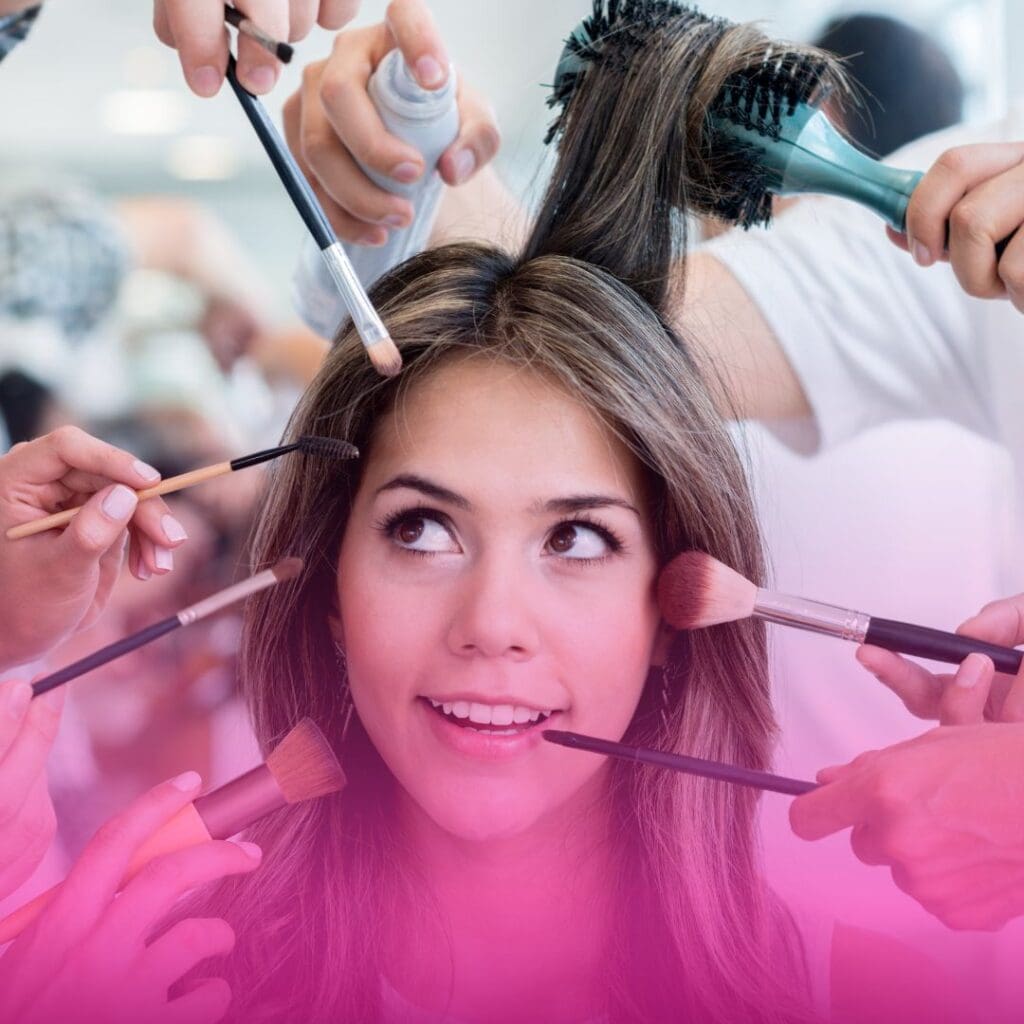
<point x="382" y="351"/>
<point x="681" y="763"/>
<point x="285" y="570"/>
<point x="696" y="590"/>
<point x="326" y="447"/>
<point x="301" y="767"/>
<point x="282" y="51"/>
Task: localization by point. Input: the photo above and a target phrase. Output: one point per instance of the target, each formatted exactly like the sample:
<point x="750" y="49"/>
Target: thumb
<point x="96" y="528"/>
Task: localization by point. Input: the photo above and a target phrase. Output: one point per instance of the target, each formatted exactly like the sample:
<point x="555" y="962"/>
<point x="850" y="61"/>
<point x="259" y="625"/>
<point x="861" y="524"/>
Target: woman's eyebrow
<point x="581" y="502"/>
<point x="424" y="486"/>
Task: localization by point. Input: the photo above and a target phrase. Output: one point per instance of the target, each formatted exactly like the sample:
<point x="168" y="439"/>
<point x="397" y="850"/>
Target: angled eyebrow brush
<point x="285" y="570"/>
<point x="681" y="763"/>
<point x="328" y="447"/>
<point x="382" y="351"/>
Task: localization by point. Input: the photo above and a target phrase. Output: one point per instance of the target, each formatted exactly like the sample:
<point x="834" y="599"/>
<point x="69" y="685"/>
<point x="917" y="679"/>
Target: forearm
<point x="484" y="210"/>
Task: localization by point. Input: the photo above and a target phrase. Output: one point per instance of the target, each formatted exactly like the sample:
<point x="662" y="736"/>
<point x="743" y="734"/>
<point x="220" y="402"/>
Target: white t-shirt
<point x="872" y="336"/>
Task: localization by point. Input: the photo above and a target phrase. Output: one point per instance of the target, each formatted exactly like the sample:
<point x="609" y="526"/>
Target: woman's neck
<point x="523" y="919"/>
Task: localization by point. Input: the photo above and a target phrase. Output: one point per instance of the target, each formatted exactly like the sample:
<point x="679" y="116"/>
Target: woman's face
<point x="496" y="576"/>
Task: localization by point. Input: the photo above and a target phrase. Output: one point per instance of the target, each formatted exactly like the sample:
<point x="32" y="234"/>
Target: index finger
<point x="1000" y="622"/>
<point x="201" y="39"/>
<point x="830" y="808"/>
<point x="416" y="36"/>
<point x="954" y="174"/>
<point x="51" y="457"/>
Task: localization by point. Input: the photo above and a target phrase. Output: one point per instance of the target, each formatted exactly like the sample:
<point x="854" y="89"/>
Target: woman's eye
<point x="574" y="540"/>
<point x="421" y="533"/>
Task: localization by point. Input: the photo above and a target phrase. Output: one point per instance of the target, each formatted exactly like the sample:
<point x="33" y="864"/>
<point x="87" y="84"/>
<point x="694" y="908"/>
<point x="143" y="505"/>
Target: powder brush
<point x="681" y="763"/>
<point x="696" y="590"/>
<point x="301" y="767"/>
<point x="286" y="569"/>
<point x="282" y="51"/>
<point x="326" y="447"/>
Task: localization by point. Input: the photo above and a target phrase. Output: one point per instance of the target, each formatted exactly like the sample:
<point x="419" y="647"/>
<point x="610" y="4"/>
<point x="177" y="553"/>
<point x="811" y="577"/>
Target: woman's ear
<point x="662" y="644"/>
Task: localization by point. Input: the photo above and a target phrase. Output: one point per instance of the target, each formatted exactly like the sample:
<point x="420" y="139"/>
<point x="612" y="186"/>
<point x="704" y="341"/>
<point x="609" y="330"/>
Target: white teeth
<point x="447" y="708"/>
<point x="460" y="709"/>
<point x="434" y="703"/>
<point x="520" y="715"/>
<point x="502" y="714"/>
<point x="480" y="713"/>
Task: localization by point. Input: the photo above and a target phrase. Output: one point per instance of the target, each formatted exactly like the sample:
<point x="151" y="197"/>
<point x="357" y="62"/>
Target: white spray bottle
<point x="427" y="119"/>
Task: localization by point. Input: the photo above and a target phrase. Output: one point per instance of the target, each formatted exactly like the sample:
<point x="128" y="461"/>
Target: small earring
<point x="346" y="691"/>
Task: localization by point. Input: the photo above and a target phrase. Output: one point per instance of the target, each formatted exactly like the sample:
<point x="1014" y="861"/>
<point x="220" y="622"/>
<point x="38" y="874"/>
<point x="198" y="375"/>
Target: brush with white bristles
<point x="696" y="590"/>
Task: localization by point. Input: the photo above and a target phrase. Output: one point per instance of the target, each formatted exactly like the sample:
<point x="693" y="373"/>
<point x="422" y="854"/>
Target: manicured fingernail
<point x="258" y="79"/>
<point x="120" y="502"/>
<point x="144" y="572"/>
<point x="463" y="164"/>
<point x="187" y="781"/>
<point x="173" y="530"/>
<point x="971" y="671"/>
<point x="406" y="172"/>
<point x="146" y="471"/>
<point x="429" y="72"/>
<point x="395" y="220"/>
<point x="251" y="849"/>
<point x="163" y="558"/>
<point x="204" y="80"/>
<point x="922" y="255"/>
<point x="18" y="697"/>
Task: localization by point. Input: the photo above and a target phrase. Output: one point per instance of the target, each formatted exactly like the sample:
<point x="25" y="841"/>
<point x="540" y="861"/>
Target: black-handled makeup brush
<point x="379" y="347"/>
<point x="282" y="51"/>
<point x="327" y="447"/>
<point x="696" y="591"/>
<point x="286" y="569"/>
<point x="681" y="763"/>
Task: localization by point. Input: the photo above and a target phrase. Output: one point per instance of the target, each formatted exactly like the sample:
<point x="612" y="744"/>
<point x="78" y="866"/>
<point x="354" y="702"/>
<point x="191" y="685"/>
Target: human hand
<point x="974" y="692"/>
<point x="54" y="582"/>
<point x="944" y="811"/>
<point x="976" y="194"/>
<point x="196" y="29"/>
<point x="27" y="823"/>
<point x="331" y="122"/>
<point x="86" y="957"/>
<point x="9" y="7"/>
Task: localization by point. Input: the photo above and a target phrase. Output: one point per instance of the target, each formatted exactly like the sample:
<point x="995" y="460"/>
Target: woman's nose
<point x="495" y="613"/>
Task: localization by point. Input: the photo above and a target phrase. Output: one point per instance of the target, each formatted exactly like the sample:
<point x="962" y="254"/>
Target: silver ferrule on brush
<point x="812" y="616"/>
<point x="367" y="322"/>
<point x="227" y="596"/>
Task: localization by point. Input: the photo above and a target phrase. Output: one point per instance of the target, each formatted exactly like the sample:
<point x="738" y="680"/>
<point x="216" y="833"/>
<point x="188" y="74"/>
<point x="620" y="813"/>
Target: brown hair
<point x="700" y="937"/>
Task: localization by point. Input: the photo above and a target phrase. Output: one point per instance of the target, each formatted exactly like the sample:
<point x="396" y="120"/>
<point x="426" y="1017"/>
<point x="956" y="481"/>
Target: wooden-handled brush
<point x="286" y="569"/>
<point x="326" y="447"/>
<point x="696" y="590"/>
<point x="301" y="767"/>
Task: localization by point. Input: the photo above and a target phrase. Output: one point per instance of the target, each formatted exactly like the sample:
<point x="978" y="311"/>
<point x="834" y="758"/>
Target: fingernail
<point x="259" y="79"/>
<point x="17" y="699"/>
<point x="395" y="220"/>
<point x="163" y="557"/>
<point x="187" y="781"/>
<point x="971" y="671"/>
<point x="463" y="164"/>
<point x="205" y="80"/>
<point x="251" y="849"/>
<point x="922" y="255"/>
<point x="120" y="503"/>
<point x="406" y="172"/>
<point x="173" y="530"/>
<point x="144" y="572"/>
<point x="146" y="471"/>
<point x="429" y="72"/>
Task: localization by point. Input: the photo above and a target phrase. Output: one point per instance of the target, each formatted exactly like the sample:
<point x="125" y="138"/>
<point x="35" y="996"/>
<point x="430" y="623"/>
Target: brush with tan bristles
<point x="303" y="766"/>
<point x="286" y="569"/>
<point x="696" y="590"/>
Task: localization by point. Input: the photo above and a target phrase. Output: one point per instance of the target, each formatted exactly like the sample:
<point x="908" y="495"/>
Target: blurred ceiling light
<point x="203" y="158"/>
<point x="144" y="112"/>
<point x="146" y="67"/>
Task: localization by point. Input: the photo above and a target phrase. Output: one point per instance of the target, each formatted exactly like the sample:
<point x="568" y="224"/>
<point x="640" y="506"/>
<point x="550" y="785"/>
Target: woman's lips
<point x="485" y="741"/>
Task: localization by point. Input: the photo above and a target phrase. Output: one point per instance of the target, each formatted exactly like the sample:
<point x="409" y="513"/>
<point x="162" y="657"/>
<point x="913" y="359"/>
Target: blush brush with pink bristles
<point x="696" y="590"/>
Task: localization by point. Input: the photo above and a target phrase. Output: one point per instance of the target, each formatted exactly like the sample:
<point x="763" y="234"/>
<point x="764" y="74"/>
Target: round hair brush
<point x="696" y="590"/>
<point x="301" y="767"/>
<point x="752" y="127"/>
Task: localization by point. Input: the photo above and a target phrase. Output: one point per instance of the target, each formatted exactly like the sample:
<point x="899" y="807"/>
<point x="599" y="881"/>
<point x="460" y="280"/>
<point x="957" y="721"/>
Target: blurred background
<point x="181" y="345"/>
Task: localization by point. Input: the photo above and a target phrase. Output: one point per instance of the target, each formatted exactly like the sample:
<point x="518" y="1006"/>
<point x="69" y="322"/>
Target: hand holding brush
<point x="696" y="591"/>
